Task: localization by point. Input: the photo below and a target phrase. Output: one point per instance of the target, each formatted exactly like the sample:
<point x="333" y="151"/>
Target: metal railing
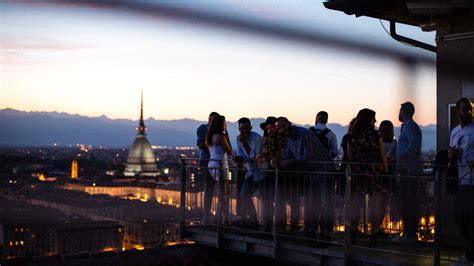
<point x="335" y="204"/>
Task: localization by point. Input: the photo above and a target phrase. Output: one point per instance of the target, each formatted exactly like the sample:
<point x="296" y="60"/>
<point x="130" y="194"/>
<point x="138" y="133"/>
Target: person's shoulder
<point x="255" y="134"/>
<point x="330" y="132"/>
<point x="202" y="127"/>
<point x="470" y="126"/>
<point x="456" y="130"/>
<point x="413" y="124"/>
<point x="301" y="129"/>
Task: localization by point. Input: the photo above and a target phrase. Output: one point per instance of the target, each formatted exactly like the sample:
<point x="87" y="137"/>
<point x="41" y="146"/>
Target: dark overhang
<point x="451" y="15"/>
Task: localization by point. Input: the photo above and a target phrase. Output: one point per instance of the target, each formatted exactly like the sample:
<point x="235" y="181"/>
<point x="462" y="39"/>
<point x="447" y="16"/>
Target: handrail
<point x="432" y="200"/>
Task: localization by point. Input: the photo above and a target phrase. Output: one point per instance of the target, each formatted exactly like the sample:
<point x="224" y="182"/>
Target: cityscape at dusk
<point x="150" y="132"/>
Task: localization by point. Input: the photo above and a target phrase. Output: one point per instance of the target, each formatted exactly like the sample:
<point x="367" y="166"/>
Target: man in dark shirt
<point x="203" y="161"/>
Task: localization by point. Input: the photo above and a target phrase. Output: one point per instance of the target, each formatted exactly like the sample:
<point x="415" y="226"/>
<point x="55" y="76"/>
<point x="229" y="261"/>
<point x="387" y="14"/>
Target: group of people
<point x="304" y="158"/>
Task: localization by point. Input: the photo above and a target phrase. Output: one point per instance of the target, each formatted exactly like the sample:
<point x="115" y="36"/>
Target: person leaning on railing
<point x="303" y="149"/>
<point x="273" y="149"/>
<point x="461" y="148"/>
<point x="249" y="145"/>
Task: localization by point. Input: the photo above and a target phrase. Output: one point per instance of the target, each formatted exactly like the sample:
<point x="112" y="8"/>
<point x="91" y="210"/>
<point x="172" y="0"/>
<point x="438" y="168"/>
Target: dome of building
<point x="141" y="158"/>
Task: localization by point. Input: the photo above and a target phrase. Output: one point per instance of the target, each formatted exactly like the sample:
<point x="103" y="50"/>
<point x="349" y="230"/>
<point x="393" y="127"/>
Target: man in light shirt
<point x="249" y="145"/>
<point x="461" y="148"/>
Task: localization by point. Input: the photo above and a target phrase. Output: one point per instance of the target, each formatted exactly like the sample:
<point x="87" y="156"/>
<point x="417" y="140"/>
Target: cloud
<point x="25" y="52"/>
<point x="10" y="43"/>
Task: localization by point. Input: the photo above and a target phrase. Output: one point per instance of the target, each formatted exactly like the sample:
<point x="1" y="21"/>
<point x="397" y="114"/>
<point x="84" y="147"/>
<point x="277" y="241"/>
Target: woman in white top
<point x="217" y="140"/>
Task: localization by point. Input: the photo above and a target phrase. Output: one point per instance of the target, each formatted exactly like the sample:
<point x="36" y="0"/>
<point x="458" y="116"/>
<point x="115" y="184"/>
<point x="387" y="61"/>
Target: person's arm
<point x="350" y="152"/>
<point x="240" y="147"/>
<point x="263" y="155"/>
<point x="382" y="153"/>
<point x="334" y="147"/>
<point x="304" y="147"/>
<point x="255" y="148"/>
<point x="452" y="152"/>
<point x="201" y="137"/>
<point x="226" y="144"/>
<point x="287" y="158"/>
<point x="302" y="153"/>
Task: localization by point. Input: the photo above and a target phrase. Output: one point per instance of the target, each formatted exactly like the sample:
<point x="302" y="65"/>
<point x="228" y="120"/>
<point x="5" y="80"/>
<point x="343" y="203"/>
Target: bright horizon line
<point x="151" y="117"/>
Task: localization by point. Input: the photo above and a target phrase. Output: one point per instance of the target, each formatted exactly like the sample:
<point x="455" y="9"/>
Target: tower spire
<point x="141" y="124"/>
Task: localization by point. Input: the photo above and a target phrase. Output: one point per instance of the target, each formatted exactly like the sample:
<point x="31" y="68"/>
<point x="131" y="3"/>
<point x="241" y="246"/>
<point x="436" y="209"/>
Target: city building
<point x="74" y="170"/>
<point x="141" y="158"/>
<point x="29" y="230"/>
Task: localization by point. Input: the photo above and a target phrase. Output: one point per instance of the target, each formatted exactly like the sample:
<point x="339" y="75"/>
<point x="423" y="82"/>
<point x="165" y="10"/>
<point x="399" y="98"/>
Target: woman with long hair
<point x="367" y="156"/>
<point x="217" y="139"/>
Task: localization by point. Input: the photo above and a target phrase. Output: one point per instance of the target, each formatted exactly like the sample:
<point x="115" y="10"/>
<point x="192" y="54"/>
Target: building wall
<point x="455" y="65"/>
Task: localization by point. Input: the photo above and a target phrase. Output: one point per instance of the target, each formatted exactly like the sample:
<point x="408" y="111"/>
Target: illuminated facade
<point x="74" y="170"/>
<point x="141" y="158"/>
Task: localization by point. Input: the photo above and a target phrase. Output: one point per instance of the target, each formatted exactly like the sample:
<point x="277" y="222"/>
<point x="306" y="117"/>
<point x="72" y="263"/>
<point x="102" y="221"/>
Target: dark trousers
<point x="249" y="214"/>
<point x="267" y="190"/>
<point x="319" y="205"/>
<point x="240" y="177"/>
<point x="409" y="207"/>
<point x="465" y="205"/>
<point x="290" y="189"/>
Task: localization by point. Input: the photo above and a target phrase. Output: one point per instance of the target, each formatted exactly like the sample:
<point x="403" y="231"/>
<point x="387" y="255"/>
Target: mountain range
<point x="19" y="128"/>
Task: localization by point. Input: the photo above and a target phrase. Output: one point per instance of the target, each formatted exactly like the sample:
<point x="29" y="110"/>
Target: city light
<point x="138" y="247"/>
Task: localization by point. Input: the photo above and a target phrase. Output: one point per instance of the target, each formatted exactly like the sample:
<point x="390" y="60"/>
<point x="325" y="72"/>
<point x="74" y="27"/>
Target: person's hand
<point x="452" y="153"/>
<point x="274" y="162"/>
<point x="260" y="158"/>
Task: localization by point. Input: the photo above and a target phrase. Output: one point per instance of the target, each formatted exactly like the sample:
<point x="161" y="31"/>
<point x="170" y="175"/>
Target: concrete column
<point x="455" y="66"/>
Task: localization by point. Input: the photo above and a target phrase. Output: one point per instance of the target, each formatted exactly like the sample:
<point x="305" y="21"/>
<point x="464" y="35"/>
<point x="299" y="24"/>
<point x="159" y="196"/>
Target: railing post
<point x="347" y="214"/>
<point x="437" y="227"/>
<point x="276" y="216"/>
<point x="182" y="199"/>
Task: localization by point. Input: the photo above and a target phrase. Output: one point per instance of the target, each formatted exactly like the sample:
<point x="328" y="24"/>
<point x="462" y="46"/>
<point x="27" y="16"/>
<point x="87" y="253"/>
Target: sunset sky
<point x="95" y="61"/>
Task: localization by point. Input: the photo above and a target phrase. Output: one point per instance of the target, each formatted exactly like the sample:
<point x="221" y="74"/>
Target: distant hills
<point x="18" y="128"/>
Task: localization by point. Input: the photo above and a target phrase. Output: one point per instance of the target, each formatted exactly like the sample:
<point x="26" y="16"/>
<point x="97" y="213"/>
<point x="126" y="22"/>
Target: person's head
<point x="245" y="127"/>
<point x="283" y="125"/>
<point x="386" y="130"/>
<point x="217" y="126"/>
<point x="464" y="111"/>
<point x="322" y="118"/>
<point x="365" y="120"/>
<point x="407" y="110"/>
<point x="268" y="126"/>
<point x="211" y="116"/>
